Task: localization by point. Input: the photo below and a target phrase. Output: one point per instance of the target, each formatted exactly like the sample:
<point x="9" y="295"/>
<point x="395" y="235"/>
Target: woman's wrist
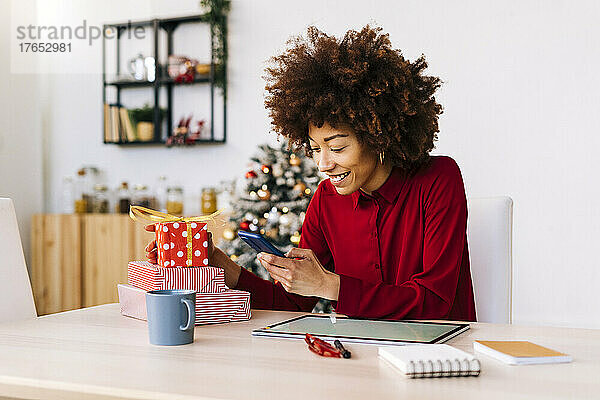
<point x="331" y="288"/>
<point x="231" y="269"/>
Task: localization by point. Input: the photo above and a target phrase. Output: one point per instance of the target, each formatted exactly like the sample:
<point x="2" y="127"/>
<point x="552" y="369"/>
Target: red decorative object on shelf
<point x="183" y="135"/>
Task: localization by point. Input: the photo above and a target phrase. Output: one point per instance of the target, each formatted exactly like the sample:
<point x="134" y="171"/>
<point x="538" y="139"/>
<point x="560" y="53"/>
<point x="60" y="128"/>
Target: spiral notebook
<point x="431" y="360"/>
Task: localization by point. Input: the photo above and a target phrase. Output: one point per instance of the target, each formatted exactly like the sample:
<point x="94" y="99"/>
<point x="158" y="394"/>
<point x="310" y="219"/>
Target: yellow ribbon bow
<point x="139" y="214"/>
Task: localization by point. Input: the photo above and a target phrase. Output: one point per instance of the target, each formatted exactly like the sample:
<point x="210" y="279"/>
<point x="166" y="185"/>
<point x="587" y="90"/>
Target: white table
<point x="96" y="353"/>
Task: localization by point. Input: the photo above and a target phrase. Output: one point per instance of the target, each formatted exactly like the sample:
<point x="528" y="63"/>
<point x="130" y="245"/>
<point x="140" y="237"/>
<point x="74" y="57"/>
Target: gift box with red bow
<point x="180" y="242"/>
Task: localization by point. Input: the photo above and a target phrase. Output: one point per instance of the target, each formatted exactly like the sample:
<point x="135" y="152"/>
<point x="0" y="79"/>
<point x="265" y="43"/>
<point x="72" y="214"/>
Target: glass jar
<point x="161" y="193"/>
<point x="90" y="178"/>
<point x="81" y="198"/>
<point x="175" y="200"/>
<point x="123" y="199"/>
<point x="208" y="200"/>
<point x="67" y="200"/>
<point x="100" y="199"/>
<point x="141" y="196"/>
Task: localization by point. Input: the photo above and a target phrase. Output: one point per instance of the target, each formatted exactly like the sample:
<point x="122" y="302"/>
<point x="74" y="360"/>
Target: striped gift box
<point x="211" y="308"/>
<point x="228" y="306"/>
<point x="147" y="276"/>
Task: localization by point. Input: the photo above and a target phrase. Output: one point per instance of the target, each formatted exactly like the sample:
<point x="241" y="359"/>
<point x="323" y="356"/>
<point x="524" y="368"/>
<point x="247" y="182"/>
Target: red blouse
<point x="400" y="253"/>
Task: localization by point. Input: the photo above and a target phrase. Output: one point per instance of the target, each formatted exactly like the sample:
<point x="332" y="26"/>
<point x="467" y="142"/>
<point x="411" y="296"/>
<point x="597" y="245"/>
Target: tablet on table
<point x="363" y="330"/>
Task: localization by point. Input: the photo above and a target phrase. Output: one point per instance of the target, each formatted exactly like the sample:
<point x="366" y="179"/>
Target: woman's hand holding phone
<point x="301" y="272"/>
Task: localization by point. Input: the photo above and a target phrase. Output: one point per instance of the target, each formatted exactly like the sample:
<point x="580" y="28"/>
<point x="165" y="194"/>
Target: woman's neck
<point x="380" y="175"/>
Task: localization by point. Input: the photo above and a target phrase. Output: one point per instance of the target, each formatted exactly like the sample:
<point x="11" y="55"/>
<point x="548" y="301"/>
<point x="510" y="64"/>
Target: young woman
<point x="385" y="235"/>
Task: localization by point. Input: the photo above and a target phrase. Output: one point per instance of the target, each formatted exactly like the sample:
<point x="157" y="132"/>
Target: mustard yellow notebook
<point x="520" y="352"/>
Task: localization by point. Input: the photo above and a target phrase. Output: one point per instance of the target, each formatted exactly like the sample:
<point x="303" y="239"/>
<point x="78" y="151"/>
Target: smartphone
<point x="259" y="243"/>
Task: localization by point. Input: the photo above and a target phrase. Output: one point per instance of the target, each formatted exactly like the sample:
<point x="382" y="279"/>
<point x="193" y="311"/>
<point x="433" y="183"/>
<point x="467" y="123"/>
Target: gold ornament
<point x="295" y="238"/>
<point x="228" y="234"/>
<point x="263" y="194"/>
<point x="300" y="187"/>
<point x="272" y="233"/>
<point x="233" y="257"/>
<point x="295" y="161"/>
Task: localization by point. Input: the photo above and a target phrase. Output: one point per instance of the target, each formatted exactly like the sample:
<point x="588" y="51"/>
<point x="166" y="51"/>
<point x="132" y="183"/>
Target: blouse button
<point x="376" y="266"/>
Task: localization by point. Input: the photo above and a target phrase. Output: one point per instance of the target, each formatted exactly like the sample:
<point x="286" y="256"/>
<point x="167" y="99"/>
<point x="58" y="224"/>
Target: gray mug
<point x="171" y="316"/>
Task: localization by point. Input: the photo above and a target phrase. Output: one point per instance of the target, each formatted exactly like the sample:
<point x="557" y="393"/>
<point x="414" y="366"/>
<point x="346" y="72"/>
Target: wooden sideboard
<point x="78" y="259"/>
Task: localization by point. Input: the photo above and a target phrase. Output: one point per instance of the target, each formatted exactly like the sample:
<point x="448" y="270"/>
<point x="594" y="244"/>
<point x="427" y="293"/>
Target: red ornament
<point x="251" y="174"/>
<point x="245" y="225"/>
<point x="266" y="169"/>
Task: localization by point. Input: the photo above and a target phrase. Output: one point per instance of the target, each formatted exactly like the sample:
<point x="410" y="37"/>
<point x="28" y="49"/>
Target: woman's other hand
<point x="151" y="252"/>
<point x="301" y="272"/>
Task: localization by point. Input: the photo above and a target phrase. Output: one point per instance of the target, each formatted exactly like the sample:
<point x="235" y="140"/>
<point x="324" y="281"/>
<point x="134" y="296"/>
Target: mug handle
<point x="191" y="314"/>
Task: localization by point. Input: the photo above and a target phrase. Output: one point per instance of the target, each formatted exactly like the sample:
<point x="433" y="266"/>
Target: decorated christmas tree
<point x="271" y="199"/>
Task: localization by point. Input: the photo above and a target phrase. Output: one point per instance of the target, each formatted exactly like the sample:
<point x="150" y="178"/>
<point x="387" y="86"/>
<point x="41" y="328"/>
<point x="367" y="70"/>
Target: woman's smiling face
<point x="338" y="153"/>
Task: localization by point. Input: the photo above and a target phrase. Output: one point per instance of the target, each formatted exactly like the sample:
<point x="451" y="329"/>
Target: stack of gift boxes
<point x="183" y="264"/>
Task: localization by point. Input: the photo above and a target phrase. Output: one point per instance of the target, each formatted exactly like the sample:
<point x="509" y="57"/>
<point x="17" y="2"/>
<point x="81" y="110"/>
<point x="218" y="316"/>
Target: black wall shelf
<point x="169" y="26"/>
<point x="162" y="81"/>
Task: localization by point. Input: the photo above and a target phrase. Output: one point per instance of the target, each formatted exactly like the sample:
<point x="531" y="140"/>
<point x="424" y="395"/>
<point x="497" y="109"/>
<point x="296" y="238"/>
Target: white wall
<point x="20" y="135"/>
<point x="520" y="98"/>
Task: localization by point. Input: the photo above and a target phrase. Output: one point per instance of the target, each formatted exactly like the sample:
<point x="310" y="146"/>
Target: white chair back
<point x="489" y="232"/>
<point x="16" y="298"/>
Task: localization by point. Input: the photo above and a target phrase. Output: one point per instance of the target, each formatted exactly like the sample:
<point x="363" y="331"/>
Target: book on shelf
<point x="114" y="118"/>
<point x="118" y="127"/>
<point x="130" y="134"/>
<point x="107" y="134"/>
